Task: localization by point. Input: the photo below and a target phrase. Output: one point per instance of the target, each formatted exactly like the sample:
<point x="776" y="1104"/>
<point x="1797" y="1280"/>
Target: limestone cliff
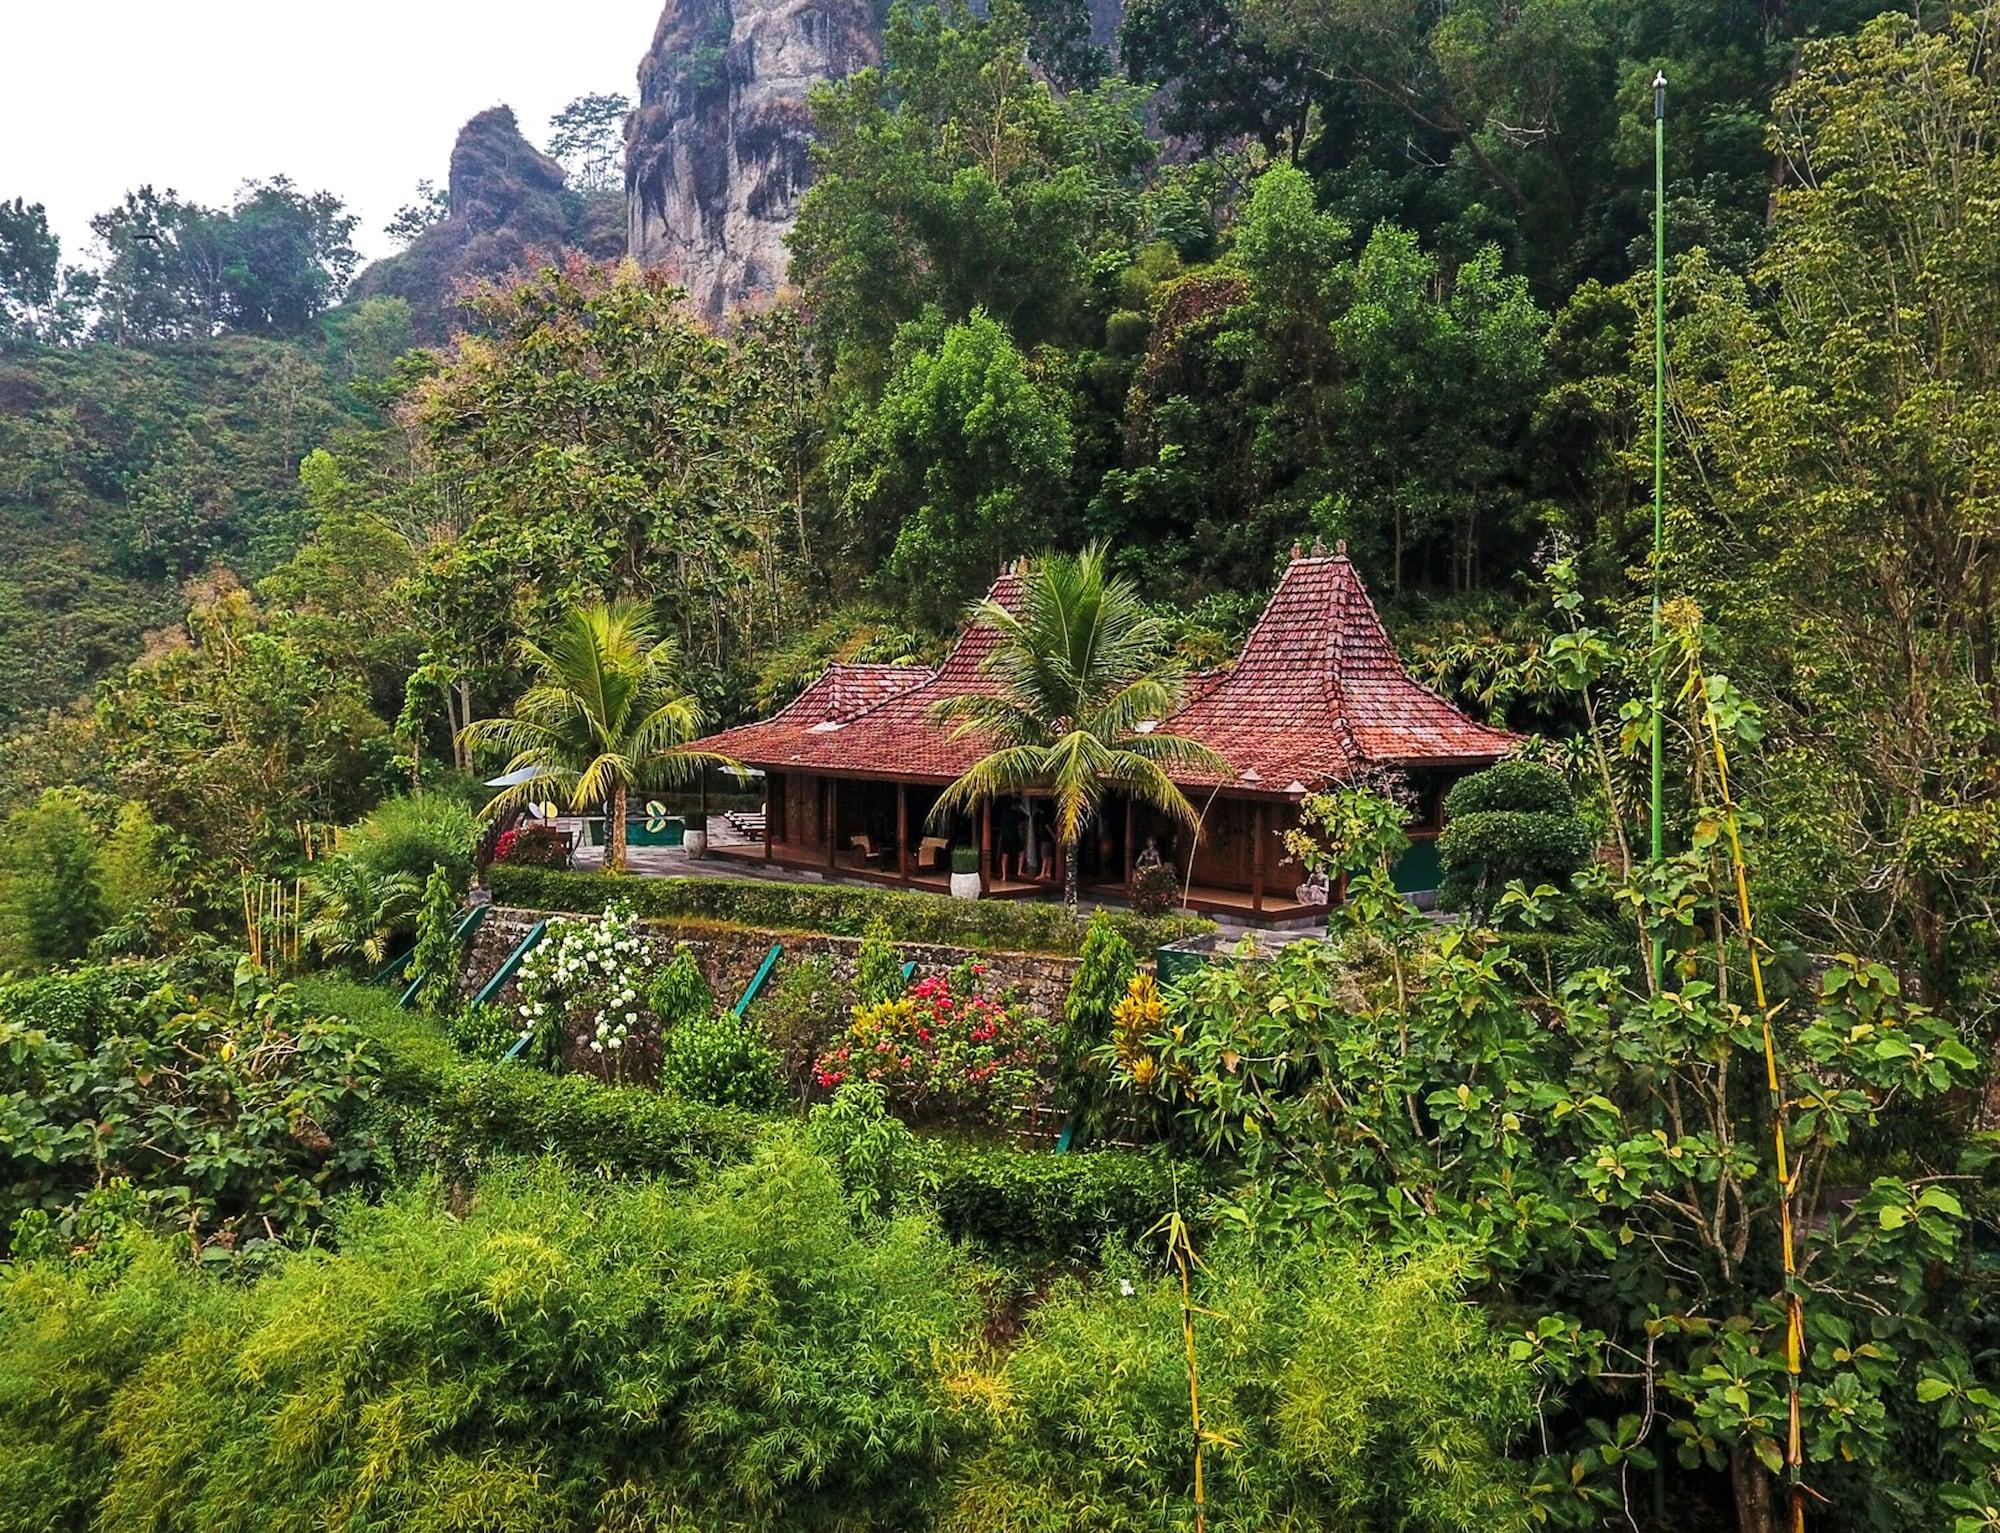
<point x="716" y="154"/>
<point x="509" y="208"/>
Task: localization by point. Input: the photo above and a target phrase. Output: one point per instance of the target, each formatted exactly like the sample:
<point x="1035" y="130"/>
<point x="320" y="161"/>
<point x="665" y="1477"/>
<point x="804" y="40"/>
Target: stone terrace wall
<point x="729" y="956"/>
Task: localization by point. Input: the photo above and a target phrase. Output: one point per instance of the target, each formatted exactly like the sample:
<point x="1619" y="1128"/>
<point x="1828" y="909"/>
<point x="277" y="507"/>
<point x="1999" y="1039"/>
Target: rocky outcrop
<point x="509" y="209"/>
<point x="716" y="156"/>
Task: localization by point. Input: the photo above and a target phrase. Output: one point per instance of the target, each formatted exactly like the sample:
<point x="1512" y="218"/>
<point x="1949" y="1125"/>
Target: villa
<point x="855" y="763"/>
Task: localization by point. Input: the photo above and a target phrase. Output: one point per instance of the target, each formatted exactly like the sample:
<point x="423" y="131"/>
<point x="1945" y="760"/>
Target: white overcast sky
<point x="359" y="98"/>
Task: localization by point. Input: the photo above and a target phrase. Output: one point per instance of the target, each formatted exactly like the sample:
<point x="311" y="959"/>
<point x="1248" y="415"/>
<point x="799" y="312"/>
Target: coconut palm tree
<point x="1082" y="683"/>
<point x="603" y="716"/>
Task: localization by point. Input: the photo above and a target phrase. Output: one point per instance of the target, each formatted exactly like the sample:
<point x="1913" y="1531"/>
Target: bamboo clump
<point x="273" y="908"/>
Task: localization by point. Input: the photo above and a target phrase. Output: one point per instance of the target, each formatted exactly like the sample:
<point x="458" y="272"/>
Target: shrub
<point x="879" y="970"/>
<point x="1154" y="889"/>
<point x="722" y="1060"/>
<point x="1106" y="969"/>
<point x="434" y="962"/>
<point x="678" y="992"/>
<point x="804" y="1006"/>
<point x="1036" y="1209"/>
<point x="841" y="910"/>
<point x="52" y="900"/>
<point x="412" y="835"/>
<point x="357" y="914"/>
<point x="881" y="1163"/>
<point x="233" y="1121"/>
<point x="944" y="1048"/>
<point x="554" y="1355"/>
<point x="580" y="1005"/>
<point x="1516" y="820"/>
<point x="483" y="1031"/>
<point x="532" y="846"/>
<point x="1338" y="1390"/>
<point x="437" y="1110"/>
<point x="76" y="1007"/>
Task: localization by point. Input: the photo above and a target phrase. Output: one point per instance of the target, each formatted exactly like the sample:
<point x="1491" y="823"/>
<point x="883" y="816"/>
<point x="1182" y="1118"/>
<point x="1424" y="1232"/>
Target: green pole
<point x="1659" y="460"/>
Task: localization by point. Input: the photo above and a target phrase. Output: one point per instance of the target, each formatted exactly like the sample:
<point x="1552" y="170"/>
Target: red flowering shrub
<point x="944" y="1047"/>
<point x="533" y="846"/>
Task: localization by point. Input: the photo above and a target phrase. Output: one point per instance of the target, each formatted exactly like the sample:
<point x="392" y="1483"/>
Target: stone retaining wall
<point x="729" y="956"/>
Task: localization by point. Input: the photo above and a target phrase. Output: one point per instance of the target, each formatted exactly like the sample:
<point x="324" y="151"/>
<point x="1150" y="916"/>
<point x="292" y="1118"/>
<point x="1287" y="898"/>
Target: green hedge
<point x="842" y="910"/>
<point x="1037" y="1207"/>
<point x="440" y="1110"/>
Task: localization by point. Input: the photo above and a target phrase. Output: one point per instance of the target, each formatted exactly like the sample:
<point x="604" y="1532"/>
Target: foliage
<point x="603" y="717"/>
<point x="588" y="136"/>
<point x="357" y="913"/>
<point x="999" y="925"/>
<point x="1041" y="1210"/>
<point x="802" y="1391"/>
<point x="944" y="1048"/>
<point x="233" y="1121"/>
<point x="960" y="467"/>
<point x="580" y="997"/>
<point x="1077" y="670"/>
<point x="722" y="1059"/>
<point x="803" y="1006"/>
<point x="1593" y="1143"/>
<point x="679" y="992"/>
<point x="533" y="846"/>
<point x="1107" y="965"/>
<point x="1154" y="889"/>
<point x="52" y="900"/>
<point x="907" y="210"/>
<point x="482" y="1030"/>
<point x="435" y="960"/>
<point x="411" y="834"/>
<point x="438" y="1110"/>
<point x="1338" y="1389"/>
<point x="1514" y="822"/>
<point x="878" y="972"/>
<point x="879" y="1159"/>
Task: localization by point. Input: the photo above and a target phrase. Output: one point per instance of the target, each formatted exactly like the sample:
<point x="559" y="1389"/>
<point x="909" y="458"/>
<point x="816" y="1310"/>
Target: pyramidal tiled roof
<point x="1320" y="691"/>
<point x="1317" y="692"/>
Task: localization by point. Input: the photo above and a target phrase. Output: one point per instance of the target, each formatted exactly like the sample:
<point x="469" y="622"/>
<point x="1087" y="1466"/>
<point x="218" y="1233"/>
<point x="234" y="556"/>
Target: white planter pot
<point x="695" y="843"/>
<point x="965" y="886"/>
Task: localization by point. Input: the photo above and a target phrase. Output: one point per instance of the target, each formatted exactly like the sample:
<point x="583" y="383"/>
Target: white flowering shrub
<point x="580" y="998"/>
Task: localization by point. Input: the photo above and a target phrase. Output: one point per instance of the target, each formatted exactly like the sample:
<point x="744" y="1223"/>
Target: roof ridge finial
<point x="1340" y="548"/>
<point x="1319" y="548"/>
<point x="1297" y="551"/>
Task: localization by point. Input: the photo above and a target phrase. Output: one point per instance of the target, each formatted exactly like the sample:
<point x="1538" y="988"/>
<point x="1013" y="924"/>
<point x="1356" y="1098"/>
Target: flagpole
<point x="1659" y="461"/>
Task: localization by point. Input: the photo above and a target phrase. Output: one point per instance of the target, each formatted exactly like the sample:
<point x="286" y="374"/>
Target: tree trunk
<point x="1755" y="1492"/>
<point x="1069" y="875"/>
<point x="614" y="831"/>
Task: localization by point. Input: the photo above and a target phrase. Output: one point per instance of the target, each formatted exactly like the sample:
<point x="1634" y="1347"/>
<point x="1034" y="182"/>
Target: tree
<point x="953" y="176"/>
<point x="962" y="464"/>
<point x="40" y="298"/>
<point x="431" y="204"/>
<point x="588" y="136"/>
<point x="52" y="899"/>
<point x="1079" y="670"/>
<point x="602" y="717"/>
<point x="1834" y="491"/>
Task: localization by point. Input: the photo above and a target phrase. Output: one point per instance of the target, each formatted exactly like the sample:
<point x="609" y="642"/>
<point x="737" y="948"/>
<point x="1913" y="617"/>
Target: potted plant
<point x="694" y="840"/>
<point x="965" y="872"/>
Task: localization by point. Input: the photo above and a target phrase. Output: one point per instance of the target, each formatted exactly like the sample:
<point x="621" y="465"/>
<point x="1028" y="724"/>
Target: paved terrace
<point x="732" y="854"/>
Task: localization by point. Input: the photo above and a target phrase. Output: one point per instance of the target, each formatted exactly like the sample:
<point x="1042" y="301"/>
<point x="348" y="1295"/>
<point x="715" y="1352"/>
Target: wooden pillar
<point x="832" y="819"/>
<point x="1260" y="831"/>
<point x="985" y="846"/>
<point x="774" y="783"/>
<point x="903" y="831"/>
<point x="1130" y="821"/>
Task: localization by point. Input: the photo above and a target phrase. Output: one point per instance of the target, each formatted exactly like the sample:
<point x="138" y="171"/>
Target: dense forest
<point x="1269" y="273"/>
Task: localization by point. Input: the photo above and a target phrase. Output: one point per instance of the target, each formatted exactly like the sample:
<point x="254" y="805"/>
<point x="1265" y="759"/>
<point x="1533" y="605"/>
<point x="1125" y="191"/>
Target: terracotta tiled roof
<point x="891" y="736"/>
<point x="1317" y="692"/>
